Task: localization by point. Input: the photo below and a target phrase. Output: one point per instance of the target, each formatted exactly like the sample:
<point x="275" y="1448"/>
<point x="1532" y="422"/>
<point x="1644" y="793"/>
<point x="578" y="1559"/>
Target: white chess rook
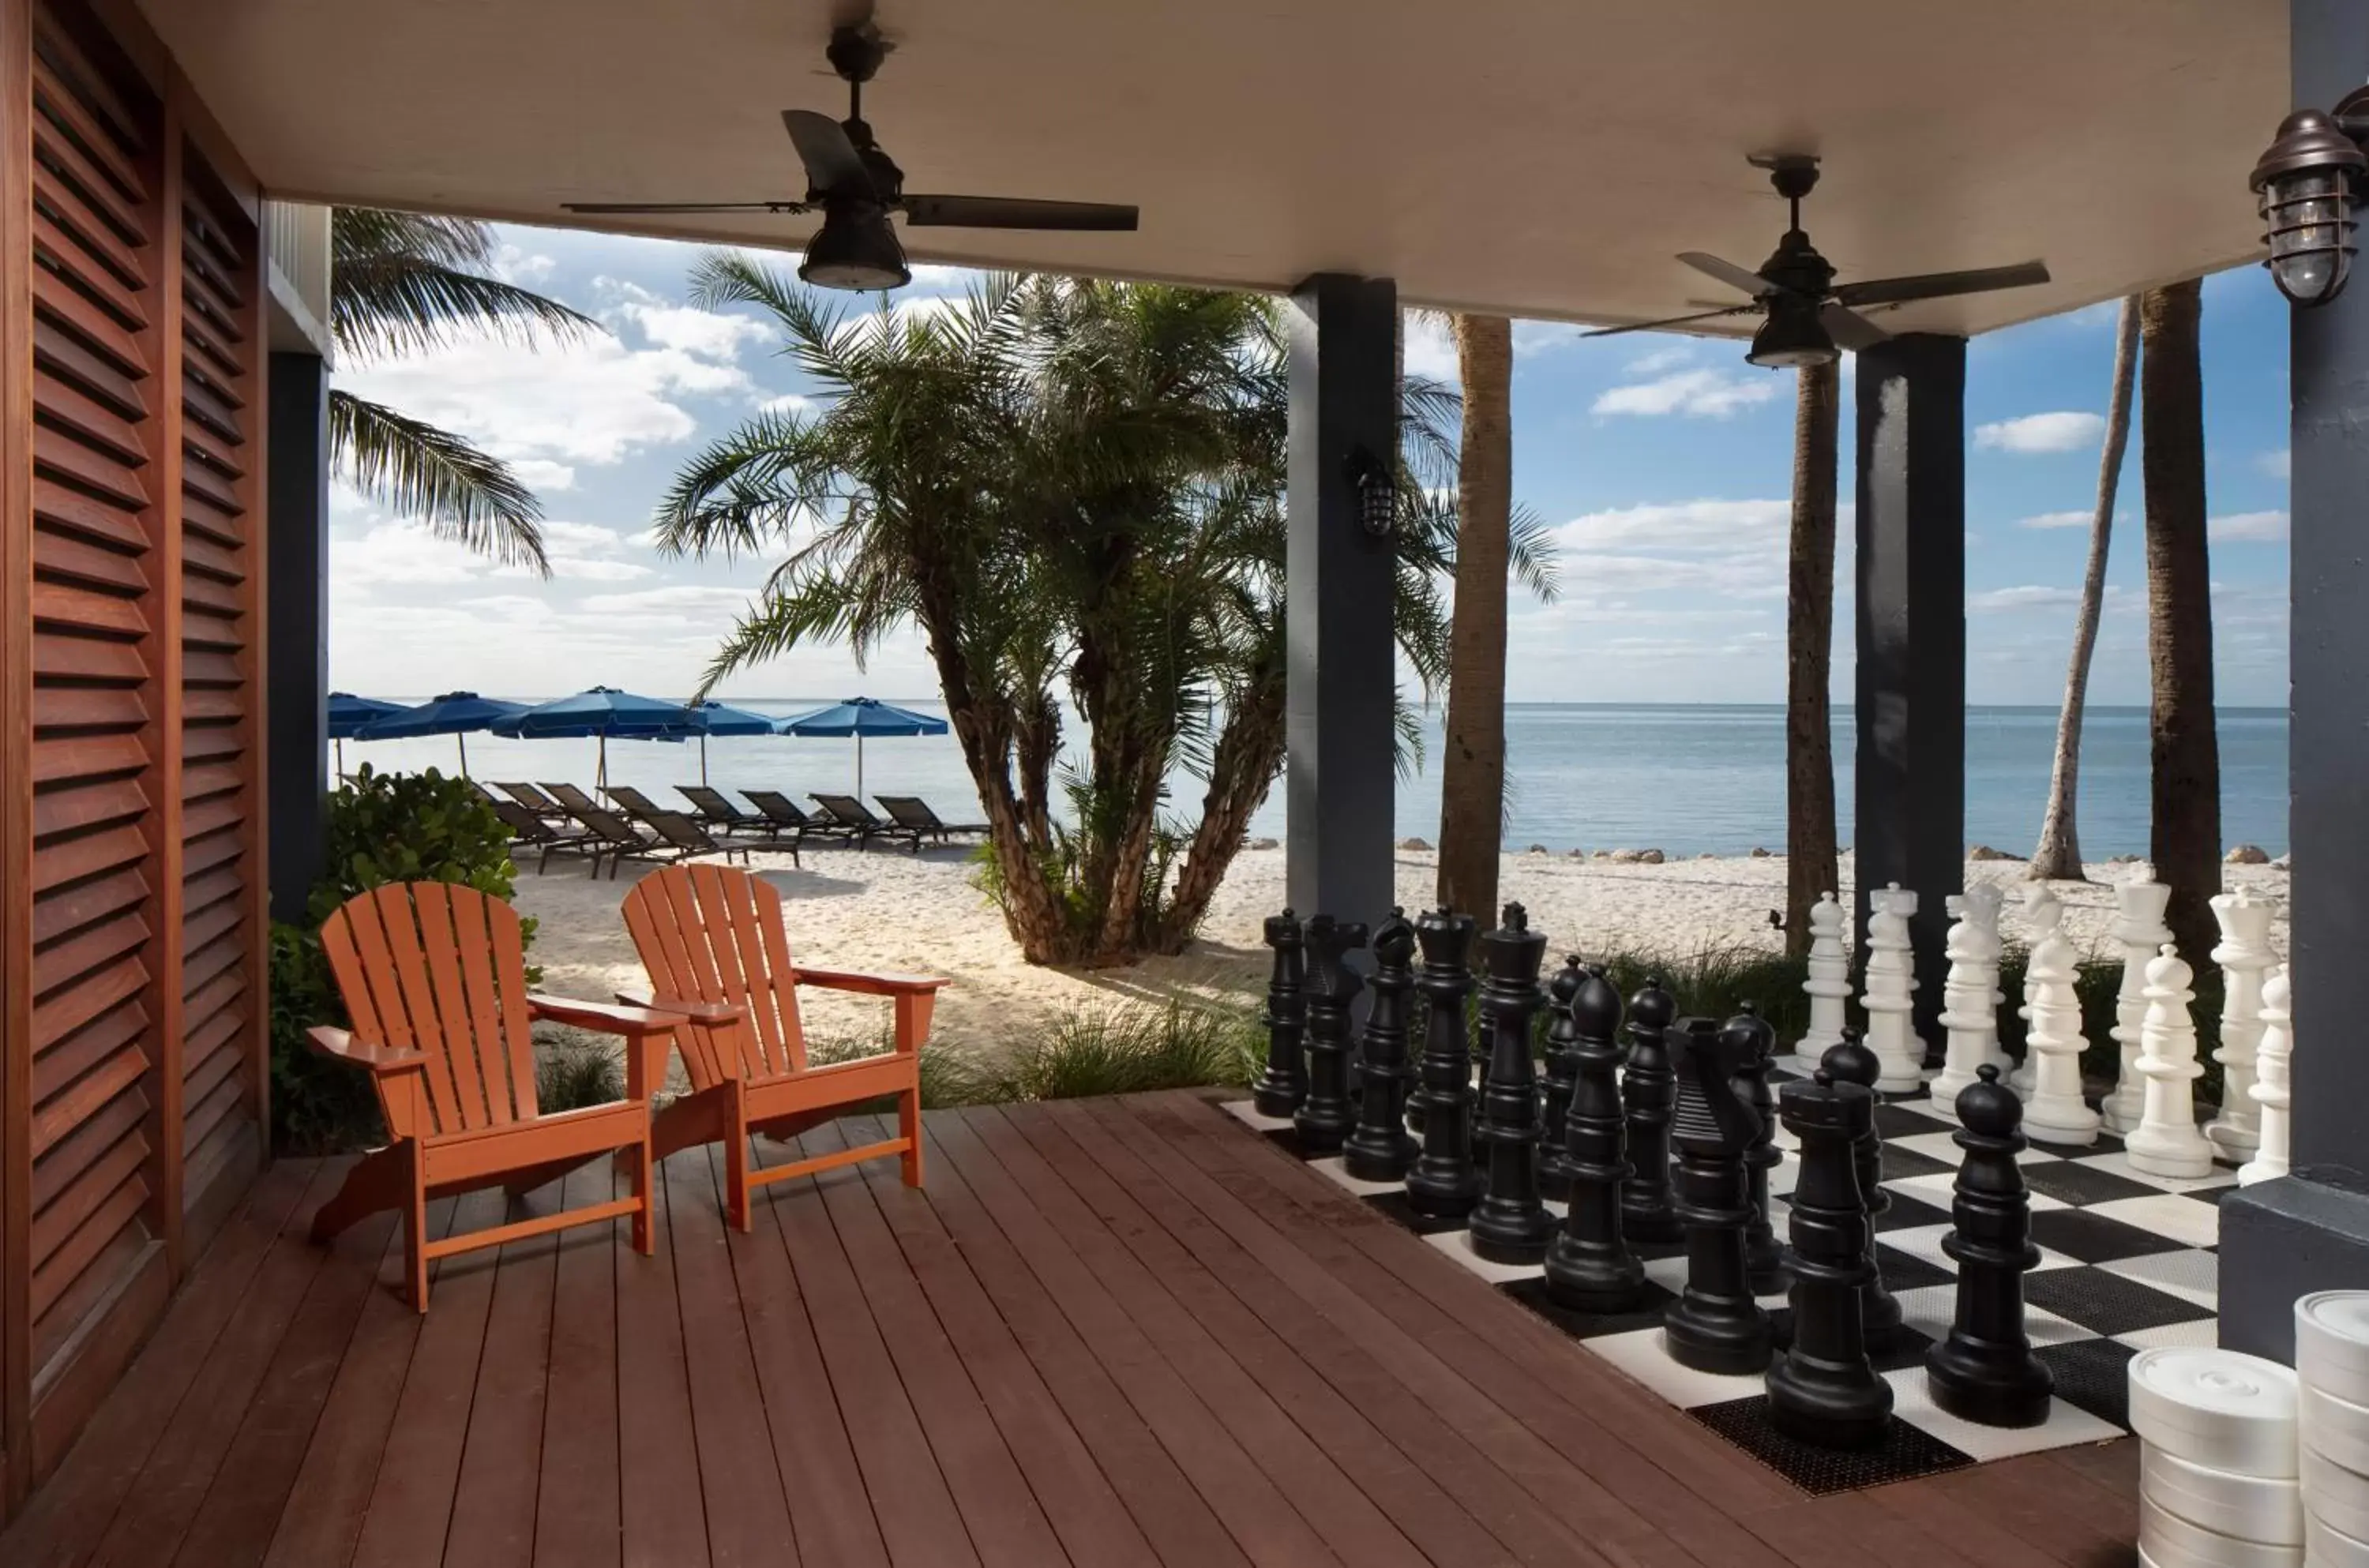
<point x="1828" y="985"/>
<point x="1891" y="986"/>
<point x="2054" y="1111"/>
<point x="2044" y="912"/>
<point x="2270" y="1081"/>
<point x="2139" y="927"/>
<point x="2167" y="1142"/>
<point x="2244" y="952"/>
<point x="1966" y="1008"/>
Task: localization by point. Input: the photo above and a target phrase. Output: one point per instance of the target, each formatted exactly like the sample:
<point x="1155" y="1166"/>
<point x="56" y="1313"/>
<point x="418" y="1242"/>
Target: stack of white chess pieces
<point x="2246" y="1464"/>
<point x="2152" y="1105"/>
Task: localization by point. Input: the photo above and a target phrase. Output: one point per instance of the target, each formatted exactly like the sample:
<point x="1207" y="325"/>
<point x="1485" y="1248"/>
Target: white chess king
<point x="2271" y="1083"/>
<point x="1828" y="985"/>
<point x="1891" y="987"/>
<point x="2054" y="1111"/>
<point x="2243" y="952"/>
<point x="2139" y="927"/>
<point x="2167" y="1142"/>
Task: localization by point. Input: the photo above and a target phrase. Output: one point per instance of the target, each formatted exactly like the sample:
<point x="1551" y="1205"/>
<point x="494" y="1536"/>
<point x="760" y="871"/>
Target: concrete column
<point x="2310" y="1231"/>
<point x="1909" y="816"/>
<point x="1341" y="662"/>
<point x="296" y="689"/>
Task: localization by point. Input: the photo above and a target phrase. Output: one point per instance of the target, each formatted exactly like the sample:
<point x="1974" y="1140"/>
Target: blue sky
<point x="1663" y="464"/>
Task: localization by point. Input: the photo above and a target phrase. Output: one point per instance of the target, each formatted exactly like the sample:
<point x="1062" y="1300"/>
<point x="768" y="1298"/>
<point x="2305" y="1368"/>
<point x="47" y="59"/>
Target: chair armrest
<point x="604" y="1017"/>
<point x="714" y="1014"/>
<point x="870" y="984"/>
<point x="339" y="1045"/>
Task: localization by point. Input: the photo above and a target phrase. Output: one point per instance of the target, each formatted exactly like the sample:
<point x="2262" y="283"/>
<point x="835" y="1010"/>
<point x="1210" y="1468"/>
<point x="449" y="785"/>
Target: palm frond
<point x="397" y="303"/>
<point x="360" y="234"/>
<point x="418" y="471"/>
<point x="1530" y="550"/>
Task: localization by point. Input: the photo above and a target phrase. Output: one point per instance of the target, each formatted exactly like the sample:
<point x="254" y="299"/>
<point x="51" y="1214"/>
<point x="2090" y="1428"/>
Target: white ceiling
<point x="1538" y="157"/>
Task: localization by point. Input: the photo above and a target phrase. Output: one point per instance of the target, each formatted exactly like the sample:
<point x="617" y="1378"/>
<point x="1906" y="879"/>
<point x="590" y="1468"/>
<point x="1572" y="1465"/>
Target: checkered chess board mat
<point x="2127" y="1262"/>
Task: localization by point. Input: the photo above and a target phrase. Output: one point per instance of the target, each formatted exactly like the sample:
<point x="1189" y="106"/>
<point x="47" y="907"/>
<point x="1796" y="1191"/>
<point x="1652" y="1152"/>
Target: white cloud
<point x="401" y="553"/>
<point x="1430" y="350"/>
<point x="1694" y="525"/>
<point x="1661" y="360"/>
<point x="788" y="403"/>
<point x="2279" y="464"/>
<point x="707" y="333"/>
<point x="2249" y="527"/>
<point x="2063" y="431"/>
<point x="542" y="474"/>
<point x="1539" y="337"/>
<point x="2030" y="596"/>
<point x="527" y="269"/>
<point x="1696" y="394"/>
<point x="2057" y="519"/>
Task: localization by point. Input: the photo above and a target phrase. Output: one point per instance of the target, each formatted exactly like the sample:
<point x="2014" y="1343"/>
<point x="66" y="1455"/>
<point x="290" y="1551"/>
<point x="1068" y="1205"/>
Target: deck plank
<point x="494" y="1509"/>
<point x="576" y="1500"/>
<point x="661" y="1519"/>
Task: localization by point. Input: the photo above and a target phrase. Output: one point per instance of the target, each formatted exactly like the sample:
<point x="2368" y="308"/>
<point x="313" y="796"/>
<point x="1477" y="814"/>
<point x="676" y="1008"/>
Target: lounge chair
<point x="672" y="837"/>
<point x="632" y="802"/>
<point x="572" y="800"/>
<point x="853" y="817"/>
<point x="713" y="937"/>
<point x="689" y="839"/>
<point x="911" y="812"/>
<point x="533" y="799"/>
<point x="434" y="976"/>
<point x="533" y="833"/>
<point x="714" y="808"/>
<point x="784" y="815"/>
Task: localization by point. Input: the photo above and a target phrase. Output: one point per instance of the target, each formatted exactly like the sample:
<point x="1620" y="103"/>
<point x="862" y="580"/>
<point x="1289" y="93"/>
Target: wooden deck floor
<point x="1111" y="1332"/>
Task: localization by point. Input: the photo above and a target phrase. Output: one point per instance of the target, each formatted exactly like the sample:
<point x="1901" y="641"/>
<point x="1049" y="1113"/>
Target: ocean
<point x="1686" y="779"/>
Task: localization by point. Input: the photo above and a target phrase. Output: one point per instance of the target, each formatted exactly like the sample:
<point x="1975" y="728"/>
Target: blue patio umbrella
<point x="718" y="718"/>
<point x="601" y="712"/>
<point x="861" y="716"/>
<point x="347" y="714"/>
<point x="454" y="713"/>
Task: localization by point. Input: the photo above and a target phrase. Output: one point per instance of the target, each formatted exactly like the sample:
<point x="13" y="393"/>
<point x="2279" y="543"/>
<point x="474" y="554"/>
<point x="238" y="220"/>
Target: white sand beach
<point x="888" y="909"/>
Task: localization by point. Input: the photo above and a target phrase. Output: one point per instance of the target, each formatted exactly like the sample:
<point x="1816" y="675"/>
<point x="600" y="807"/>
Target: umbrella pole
<point x="703" y="762"/>
<point x="463" y="739"/>
<point x="859" y="766"/>
<point x="340" y="744"/>
<point x="600" y="767"/>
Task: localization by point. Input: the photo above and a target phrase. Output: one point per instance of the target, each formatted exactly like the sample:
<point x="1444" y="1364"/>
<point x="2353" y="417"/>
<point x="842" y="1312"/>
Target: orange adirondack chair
<point x="712" y="938"/>
<point x="434" y="976"/>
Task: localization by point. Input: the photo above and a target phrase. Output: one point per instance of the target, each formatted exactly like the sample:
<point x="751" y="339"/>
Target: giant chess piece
<point x="1982" y="903"/>
<point x="1715" y="1325"/>
<point x="1824" y="1391"/>
<point x="2053" y="1108"/>
<point x="2138" y="928"/>
<point x="1965" y="1002"/>
<point x="2043" y="913"/>
<point x="1379" y="1150"/>
<point x="1563" y="1071"/>
<point x="1755" y="1045"/>
<point x="2243" y="952"/>
<point x="1284" y="1082"/>
<point x="2167" y="1141"/>
<point x="1985" y="1371"/>
<point x="1443" y="1185"/>
<point x="1511" y="1225"/>
<point x="1852" y="1062"/>
<point x="1828" y="986"/>
<point x="1325" y="1115"/>
<point x="1890" y="996"/>
<point x="1649" y="1093"/>
<point x="1589" y="1267"/>
<point x="2271" y="1094"/>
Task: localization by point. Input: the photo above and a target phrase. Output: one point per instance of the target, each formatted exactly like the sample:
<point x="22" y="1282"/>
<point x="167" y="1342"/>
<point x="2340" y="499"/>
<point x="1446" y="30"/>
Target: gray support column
<point x="296" y="687"/>
<point x="1909" y="815"/>
<point x="2310" y="1231"/>
<point x="1341" y="664"/>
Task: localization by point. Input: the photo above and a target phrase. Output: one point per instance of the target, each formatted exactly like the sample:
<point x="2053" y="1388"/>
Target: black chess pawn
<point x="1823" y="1389"/>
<point x="1511" y="1225"/>
<point x="1756" y="1046"/>
<point x="1852" y="1062"/>
<point x="1326" y="1114"/>
<point x="1561" y="1069"/>
<point x="1985" y="1371"/>
<point x="1443" y="1185"/>
<point x="1589" y="1267"/>
<point x="1284" y="1082"/>
<point x="1648" y="1091"/>
<point x="1379" y="1150"/>
<point x="1715" y="1325"/>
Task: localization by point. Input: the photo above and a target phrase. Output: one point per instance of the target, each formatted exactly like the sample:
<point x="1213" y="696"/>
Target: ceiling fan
<point x="856" y="187"/>
<point x="1810" y="316"/>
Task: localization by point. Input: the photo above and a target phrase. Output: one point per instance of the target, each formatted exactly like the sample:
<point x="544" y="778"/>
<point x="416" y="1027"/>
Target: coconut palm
<point x="1810" y="858"/>
<point x="408" y="283"/>
<point x="1473" y="766"/>
<point x="2058" y="853"/>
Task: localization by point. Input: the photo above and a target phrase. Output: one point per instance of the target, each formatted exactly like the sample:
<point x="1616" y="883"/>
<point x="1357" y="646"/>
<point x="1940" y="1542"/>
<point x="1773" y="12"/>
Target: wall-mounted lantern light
<point x="2307" y="182"/>
<point x="1377" y="501"/>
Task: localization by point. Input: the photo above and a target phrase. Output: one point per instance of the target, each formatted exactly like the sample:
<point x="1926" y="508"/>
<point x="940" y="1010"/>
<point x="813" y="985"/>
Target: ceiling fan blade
<point x="1728" y="272"/>
<point x="1850" y="329"/>
<point x="683" y="206"/>
<point x="833" y="164"/>
<point x="1667" y="321"/>
<point x="1014" y="213"/>
<point x="1935" y="285"/>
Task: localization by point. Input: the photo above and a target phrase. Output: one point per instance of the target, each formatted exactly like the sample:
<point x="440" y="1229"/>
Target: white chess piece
<point x="1890" y="984"/>
<point x="2167" y="1141"/>
<point x="1828" y="985"/>
<point x="2271" y="1090"/>
<point x="1965" y="1001"/>
<point x="2139" y="927"/>
<point x="2054" y="1111"/>
<point x="2043" y="912"/>
<point x="2244" y="952"/>
<point x="1982" y="902"/>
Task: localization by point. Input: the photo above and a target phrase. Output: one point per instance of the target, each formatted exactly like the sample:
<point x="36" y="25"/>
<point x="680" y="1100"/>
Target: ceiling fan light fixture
<point x="1792" y="338"/>
<point x="856" y="250"/>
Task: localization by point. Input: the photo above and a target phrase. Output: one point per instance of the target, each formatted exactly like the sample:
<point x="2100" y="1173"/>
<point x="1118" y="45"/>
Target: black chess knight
<point x="1853" y="1062"/>
<point x="1648" y="1089"/>
<point x="1589" y="1267"/>
<point x="1715" y="1326"/>
<point x="1755" y="1045"/>
<point x="1284" y="1082"/>
<point x="1379" y="1150"/>
<point x="1824" y="1390"/>
<point x="1443" y="1185"/>
<point x="1561" y="1069"/>
<point x="1985" y="1371"/>
<point x="1326" y="1114"/>
<point x="1511" y="1225"/>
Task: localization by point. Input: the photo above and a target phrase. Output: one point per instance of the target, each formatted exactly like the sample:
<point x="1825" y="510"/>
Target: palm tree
<point x="2186" y="752"/>
<point x="406" y="283"/>
<point x="2058" y="853"/>
<point x="1810" y="856"/>
<point x="1472" y="772"/>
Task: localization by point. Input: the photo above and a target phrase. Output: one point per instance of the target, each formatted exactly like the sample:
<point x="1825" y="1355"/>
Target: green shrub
<point x="572" y="1075"/>
<point x="1126" y="1048"/>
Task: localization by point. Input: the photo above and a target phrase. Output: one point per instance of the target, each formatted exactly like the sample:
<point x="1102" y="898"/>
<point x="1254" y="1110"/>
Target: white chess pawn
<point x="2139" y="927"/>
<point x="1982" y="902"/>
<point x="1965" y="1002"/>
<point x="2271" y="1093"/>
<point x="1828" y="985"/>
<point x="2167" y="1141"/>
<point x="2043" y="912"/>
<point x="2054" y="1111"/>
<point x="1891" y="984"/>
<point x="2244" y="952"/>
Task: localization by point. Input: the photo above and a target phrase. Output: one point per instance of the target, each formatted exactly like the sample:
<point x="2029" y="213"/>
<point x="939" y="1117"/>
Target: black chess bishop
<point x="1444" y="1184"/>
<point x="1589" y="1266"/>
<point x="1755" y="1047"/>
<point x="1648" y="1091"/>
<point x="1852" y="1061"/>
<point x="1379" y="1150"/>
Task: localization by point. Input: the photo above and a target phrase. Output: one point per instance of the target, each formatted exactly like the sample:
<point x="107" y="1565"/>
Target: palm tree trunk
<point x="1473" y="774"/>
<point x="1810" y="858"/>
<point x="2058" y="853"/>
<point x="2186" y="752"/>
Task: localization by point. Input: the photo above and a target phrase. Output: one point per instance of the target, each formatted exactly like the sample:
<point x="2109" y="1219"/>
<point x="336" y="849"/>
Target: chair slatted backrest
<point x="714" y="803"/>
<point x="441" y="968"/>
<point x="633" y="800"/>
<point x="778" y="807"/>
<point x="571" y="798"/>
<point x="714" y="934"/>
<point x="850" y="811"/>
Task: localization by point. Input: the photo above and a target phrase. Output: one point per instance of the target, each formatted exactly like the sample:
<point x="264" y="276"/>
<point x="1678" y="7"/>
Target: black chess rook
<point x="1284" y="1082"/>
<point x="1379" y="1150"/>
<point x="1715" y="1325"/>
<point x="1326" y="1114"/>
<point x="1755" y="1047"/>
<point x="1443" y="1185"/>
<point x="1853" y="1062"/>
<point x="1649" y="1090"/>
<point x="1511" y="1224"/>
<point x="1985" y="1370"/>
<point x="1589" y="1266"/>
<point x="1824" y="1391"/>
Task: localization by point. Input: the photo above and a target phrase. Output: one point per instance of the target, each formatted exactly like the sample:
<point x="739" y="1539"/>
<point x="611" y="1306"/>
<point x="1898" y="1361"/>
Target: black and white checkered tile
<point x="2127" y="1262"/>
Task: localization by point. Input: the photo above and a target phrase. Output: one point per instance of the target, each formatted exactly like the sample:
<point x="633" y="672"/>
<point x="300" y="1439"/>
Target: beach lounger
<point x="434" y="976"/>
<point x="533" y="799"/>
<point x="632" y="802"/>
<point x="783" y="813"/>
<point x="714" y="808"/>
<point x="853" y="816"/>
<point x="533" y="832"/>
<point x="713" y="937"/>
<point x="912" y="811"/>
<point x="572" y="800"/>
